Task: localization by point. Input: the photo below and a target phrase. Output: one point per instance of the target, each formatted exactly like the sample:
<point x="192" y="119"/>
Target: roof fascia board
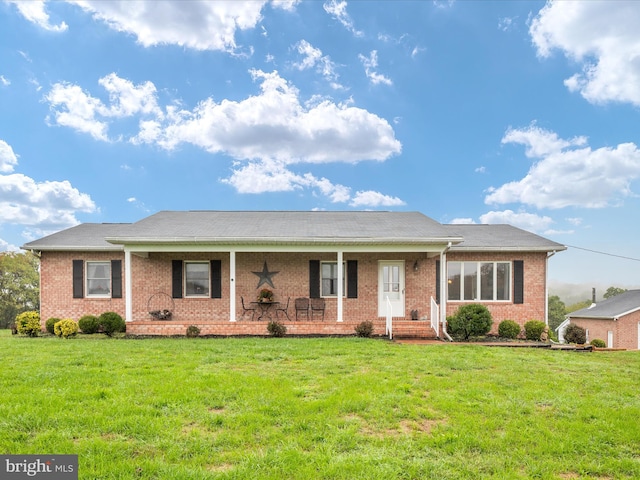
<point x="74" y="248"/>
<point x="506" y="249"/>
<point x="412" y="248"/>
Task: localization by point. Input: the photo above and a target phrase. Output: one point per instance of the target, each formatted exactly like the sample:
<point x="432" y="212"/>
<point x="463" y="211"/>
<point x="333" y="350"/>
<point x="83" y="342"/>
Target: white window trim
<point x="86" y="280"/>
<point x="184" y="275"/>
<point x="478" y="263"/>
<point x="344" y="279"/>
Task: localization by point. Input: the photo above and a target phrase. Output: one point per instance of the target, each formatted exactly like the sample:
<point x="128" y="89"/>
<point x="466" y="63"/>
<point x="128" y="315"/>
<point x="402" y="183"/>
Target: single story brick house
<point x="206" y="268"/>
<point x="615" y="320"/>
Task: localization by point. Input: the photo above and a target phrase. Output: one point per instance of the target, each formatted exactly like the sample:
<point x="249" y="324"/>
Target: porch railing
<point x="389" y="330"/>
<point x="435" y="317"/>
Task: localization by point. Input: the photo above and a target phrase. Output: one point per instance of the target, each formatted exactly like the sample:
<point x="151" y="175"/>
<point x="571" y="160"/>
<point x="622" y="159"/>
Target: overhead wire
<point x="603" y="253"/>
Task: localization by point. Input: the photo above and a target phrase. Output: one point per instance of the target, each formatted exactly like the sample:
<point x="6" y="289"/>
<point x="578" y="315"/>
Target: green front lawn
<point x="319" y="408"/>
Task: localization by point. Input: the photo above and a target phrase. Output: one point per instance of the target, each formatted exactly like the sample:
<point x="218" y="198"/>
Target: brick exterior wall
<point x="625" y="330"/>
<point x="533" y="308"/>
<point x="152" y="279"/>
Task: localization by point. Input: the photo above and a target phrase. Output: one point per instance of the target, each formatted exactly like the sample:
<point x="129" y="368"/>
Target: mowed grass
<point x="296" y="408"/>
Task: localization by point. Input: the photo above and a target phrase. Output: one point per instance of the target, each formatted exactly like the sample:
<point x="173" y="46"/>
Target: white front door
<point x="391" y="286"/>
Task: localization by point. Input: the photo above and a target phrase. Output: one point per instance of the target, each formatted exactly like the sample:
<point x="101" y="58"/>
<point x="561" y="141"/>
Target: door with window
<point x="391" y="286"/>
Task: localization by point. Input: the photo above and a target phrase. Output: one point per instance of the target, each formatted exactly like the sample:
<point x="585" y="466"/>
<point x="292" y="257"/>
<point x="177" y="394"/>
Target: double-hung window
<point x="196" y="279"/>
<point x="98" y="279"/>
<point x="479" y="281"/>
<point x="329" y="279"/>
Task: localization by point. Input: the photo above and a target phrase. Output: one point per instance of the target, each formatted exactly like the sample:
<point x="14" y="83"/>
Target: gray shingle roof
<point x="86" y="236"/>
<point x="500" y="238"/>
<point x="613" y="307"/>
<point x="286" y="227"/>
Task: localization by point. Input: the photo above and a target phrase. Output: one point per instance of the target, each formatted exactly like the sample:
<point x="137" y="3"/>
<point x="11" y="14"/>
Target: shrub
<point x="533" y="330"/>
<point x="472" y="320"/>
<point x="364" y="329"/>
<point x="89" y="324"/>
<point x="193" y="331"/>
<point x="276" y="329"/>
<point x="508" y="329"/>
<point x="28" y="323"/>
<point x="575" y="334"/>
<point x="66" y="328"/>
<point x="49" y="324"/>
<point x="598" y="342"/>
<point x="111" y="323"/>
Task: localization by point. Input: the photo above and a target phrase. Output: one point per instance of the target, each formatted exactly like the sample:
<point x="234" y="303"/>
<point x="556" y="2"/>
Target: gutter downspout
<point x="546" y="287"/>
<point x="443" y="292"/>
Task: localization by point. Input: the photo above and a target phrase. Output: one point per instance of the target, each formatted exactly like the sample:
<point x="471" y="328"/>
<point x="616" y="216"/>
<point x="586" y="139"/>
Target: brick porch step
<point x="413" y="329"/>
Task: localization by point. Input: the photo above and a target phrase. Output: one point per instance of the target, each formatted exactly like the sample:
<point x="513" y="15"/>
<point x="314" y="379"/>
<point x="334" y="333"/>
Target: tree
<point x="557" y="311"/>
<point x="613" y="291"/>
<point x="578" y="306"/>
<point x="19" y="285"/>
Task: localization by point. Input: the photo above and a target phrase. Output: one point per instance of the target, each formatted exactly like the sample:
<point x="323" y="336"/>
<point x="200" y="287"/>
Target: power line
<point x="603" y="253"/>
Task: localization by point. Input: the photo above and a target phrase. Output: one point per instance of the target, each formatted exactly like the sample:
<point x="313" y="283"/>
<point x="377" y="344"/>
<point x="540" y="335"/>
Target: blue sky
<point x="470" y="112"/>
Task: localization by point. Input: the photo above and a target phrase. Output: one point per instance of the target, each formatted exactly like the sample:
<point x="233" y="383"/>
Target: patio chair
<point x="247" y="309"/>
<point x="317" y="305"/>
<point x="284" y="309"/>
<point x="302" y="306"/>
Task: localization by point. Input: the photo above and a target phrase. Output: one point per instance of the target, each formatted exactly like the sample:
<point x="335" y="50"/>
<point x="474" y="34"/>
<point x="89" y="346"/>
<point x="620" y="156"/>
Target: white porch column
<point x="443" y="287"/>
<point x="340" y="286"/>
<point x="128" y="290"/>
<point x="232" y="286"/>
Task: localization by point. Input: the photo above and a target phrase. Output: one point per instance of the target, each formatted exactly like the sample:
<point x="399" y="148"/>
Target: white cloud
<point x="203" y="25"/>
<point x="8" y="159"/>
<point x="74" y="108"/>
<point x="370" y="64"/>
<point x="34" y="11"/>
<point x="275" y="125"/>
<point x="7" y="247"/>
<point x="527" y="221"/>
<point x="338" y="10"/>
<point x="601" y="35"/>
<point x="313" y="58"/>
<point x="481" y="169"/>
<point x="463" y="221"/>
<point x="370" y="198"/>
<point x="569" y="173"/>
<point x="4" y="81"/>
<point x="507" y="23"/>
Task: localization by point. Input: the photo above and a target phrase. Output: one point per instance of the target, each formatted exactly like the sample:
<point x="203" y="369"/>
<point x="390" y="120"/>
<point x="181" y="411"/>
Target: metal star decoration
<point x="265" y="276"/>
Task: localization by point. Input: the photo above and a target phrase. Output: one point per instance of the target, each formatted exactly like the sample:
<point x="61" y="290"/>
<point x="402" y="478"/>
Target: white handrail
<point x="435" y="315"/>
<point x="389" y="324"/>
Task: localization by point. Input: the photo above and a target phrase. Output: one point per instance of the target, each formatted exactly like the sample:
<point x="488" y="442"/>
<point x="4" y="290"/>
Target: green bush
<point x="575" y="334"/>
<point x="508" y="329"/>
<point x="49" y="324"/>
<point x="472" y="320"/>
<point x="598" y="343"/>
<point x="533" y="330"/>
<point x="89" y="324"/>
<point x="364" y="329"/>
<point x="111" y="322"/>
<point x="28" y="323"/>
<point x="66" y="328"/>
<point x="276" y="329"/>
<point x="193" y="331"/>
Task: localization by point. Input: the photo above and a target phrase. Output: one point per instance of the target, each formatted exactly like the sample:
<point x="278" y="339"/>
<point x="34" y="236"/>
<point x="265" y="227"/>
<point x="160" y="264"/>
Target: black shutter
<point x="176" y="278"/>
<point x="216" y="279"/>
<point x="116" y="278"/>
<point x="314" y="278"/>
<point x="352" y="279"/>
<point x="78" y="279"/>
<point x="518" y="281"/>
<point x="438" y="282"/>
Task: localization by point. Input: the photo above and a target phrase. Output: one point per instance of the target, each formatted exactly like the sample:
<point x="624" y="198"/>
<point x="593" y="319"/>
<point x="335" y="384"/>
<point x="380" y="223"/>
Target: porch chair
<point x="317" y="305"/>
<point x="247" y="309"/>
<point x="284" y="310"/>
<point x="302" y="306"/>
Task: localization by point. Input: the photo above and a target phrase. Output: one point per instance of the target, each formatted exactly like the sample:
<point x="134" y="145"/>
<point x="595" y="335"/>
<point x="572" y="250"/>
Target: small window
<point x="98" y="279"/>
<point x="329" y="279"/>
<point x="196" y="275"/>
